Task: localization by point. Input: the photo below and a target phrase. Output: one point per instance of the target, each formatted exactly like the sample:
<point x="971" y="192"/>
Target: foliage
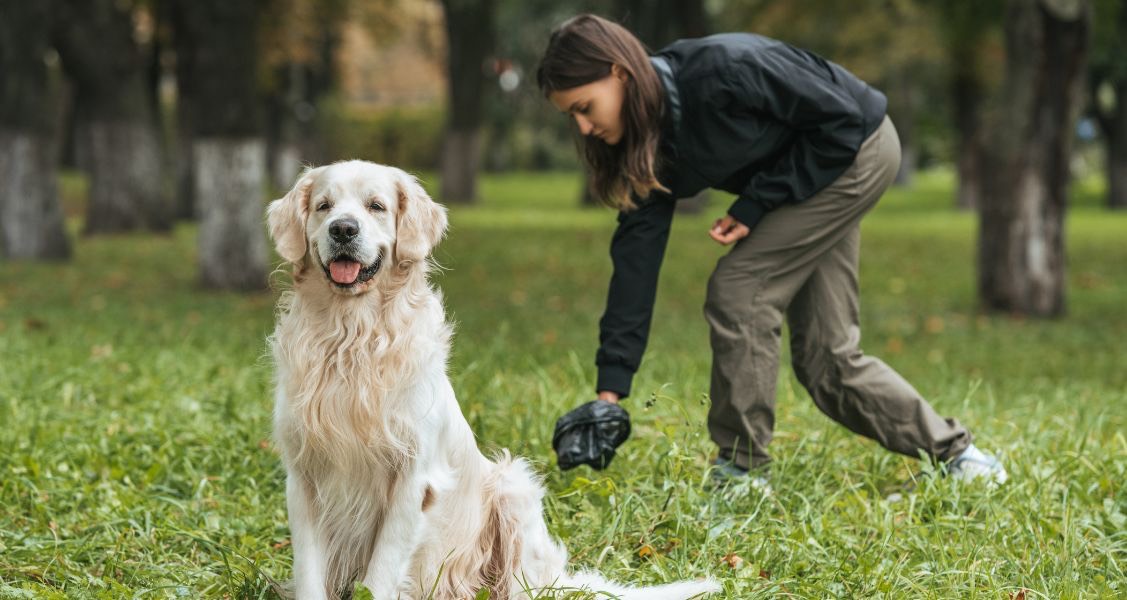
<point x="1108" y="57"/>
<point x="136" y="458"/>
<point x="409" y="137"/>
<point x="522" y="129"/>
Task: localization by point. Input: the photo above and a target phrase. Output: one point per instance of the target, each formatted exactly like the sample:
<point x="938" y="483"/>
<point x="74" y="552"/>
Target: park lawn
<point x="135" y="415"/>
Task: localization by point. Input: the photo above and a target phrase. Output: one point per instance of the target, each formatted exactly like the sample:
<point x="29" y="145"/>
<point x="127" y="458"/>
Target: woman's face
<point x="596" y="106"/>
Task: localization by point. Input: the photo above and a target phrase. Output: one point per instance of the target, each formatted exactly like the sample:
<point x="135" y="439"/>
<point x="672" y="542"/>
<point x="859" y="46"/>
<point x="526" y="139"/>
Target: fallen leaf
<point x="34" y="324"/>
<point x="934" y="324"/>
<point x="733" y="560"/>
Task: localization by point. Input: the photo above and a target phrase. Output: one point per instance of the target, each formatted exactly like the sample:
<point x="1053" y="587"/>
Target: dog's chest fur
<point x="343" y="379"/>
<point x="344" y="420"/>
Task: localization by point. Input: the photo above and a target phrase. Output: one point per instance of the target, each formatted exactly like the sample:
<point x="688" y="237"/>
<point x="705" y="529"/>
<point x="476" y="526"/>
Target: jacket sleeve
<point x="828" y="122"/>
<point x="637" y="249"/>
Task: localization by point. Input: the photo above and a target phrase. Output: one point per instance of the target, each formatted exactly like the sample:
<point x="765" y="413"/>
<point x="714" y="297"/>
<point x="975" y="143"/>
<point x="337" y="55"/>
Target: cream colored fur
<point x="385" y="483"/>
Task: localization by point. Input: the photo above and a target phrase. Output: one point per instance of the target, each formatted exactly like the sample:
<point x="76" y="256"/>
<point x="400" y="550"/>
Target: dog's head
<point x="351" y="221"/>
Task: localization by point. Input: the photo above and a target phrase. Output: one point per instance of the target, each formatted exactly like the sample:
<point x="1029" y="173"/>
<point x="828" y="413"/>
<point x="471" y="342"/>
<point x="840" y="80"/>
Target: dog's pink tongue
<point x="344" y="271"/>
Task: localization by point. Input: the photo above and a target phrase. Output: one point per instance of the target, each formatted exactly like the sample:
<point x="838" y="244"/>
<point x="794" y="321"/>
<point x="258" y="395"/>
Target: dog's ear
<point x="286" y="217"/>
<point x="420" y="224"/>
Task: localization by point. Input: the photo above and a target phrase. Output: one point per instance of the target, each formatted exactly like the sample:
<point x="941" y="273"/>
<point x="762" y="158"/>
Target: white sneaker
<point x="725" y="474"/>
<point x="975" y="464"/>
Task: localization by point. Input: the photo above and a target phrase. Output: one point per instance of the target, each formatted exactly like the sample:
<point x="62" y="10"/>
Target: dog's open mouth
<point x="345" y="271"/>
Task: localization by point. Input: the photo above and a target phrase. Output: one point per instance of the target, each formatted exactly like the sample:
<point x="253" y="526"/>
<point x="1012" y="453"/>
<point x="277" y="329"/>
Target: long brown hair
<point x="582" y="50"/>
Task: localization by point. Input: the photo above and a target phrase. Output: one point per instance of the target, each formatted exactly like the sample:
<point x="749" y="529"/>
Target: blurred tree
<point x="300" y="46"/>
<point x="218" y="40"/>
<point x="116" y="135"/>
<point x="470" y="41"/>
<point x="1108" y="86"/>
<point x="659" y="23"/>
<point x="31" y="218"/>
<point x="183" y="49"/>
<point x="1026" y="158"/>
<point x="969" y="32"/>
<point x="889" y="43"/>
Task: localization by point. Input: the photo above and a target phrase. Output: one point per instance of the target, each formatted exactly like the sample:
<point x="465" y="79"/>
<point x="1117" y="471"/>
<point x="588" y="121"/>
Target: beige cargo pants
<point x="801" y="261"/>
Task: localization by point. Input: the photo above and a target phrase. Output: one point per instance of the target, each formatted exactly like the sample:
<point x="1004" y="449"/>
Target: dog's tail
<point x="603" y="589"/>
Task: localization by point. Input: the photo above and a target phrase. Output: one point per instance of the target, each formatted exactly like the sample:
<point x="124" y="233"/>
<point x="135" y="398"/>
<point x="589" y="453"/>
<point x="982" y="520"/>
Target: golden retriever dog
<point x="385" y="484"/>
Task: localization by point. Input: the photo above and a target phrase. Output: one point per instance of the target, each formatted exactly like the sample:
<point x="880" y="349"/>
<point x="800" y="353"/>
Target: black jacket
<point x="745" y="114"/>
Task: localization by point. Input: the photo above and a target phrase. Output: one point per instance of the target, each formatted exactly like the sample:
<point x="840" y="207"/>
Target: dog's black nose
<point x="344" y="230"/>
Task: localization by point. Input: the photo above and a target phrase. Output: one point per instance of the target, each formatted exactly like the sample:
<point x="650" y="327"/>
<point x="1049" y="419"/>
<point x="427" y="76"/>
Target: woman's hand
<point x="609" y="396"/>
<point x="728" y="230"/>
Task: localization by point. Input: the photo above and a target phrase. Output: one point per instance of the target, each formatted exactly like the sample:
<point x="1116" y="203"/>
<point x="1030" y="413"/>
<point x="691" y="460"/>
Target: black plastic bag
<point x="590" y="434"/>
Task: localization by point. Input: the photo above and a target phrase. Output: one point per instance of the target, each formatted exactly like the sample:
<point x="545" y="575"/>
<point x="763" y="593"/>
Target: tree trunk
<point x="469" y="34"/>
<point x="968" y="101"/>
<point x="1116" y="132"/>
<point x="285" y="164"/>
<point x="901" y="107"/>
<point x="1021" y="237"/>
<point x="694" y="205"/>
<point x="184" y="196"/>
<point x="658" y="24"/>
<point x="228" y="150"/>
<point x="31" y="218"/>
<point x="293" y="137"/>
<point x="125" y="176"/>
<point x="586" y="195"/>
<point x="117" y="135"/>
<point x="461" y="157"/>
<point x="230" y="174"/>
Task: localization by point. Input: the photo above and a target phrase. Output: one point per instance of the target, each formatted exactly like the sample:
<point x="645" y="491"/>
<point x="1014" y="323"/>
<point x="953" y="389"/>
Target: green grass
<point x="135" y="415"/>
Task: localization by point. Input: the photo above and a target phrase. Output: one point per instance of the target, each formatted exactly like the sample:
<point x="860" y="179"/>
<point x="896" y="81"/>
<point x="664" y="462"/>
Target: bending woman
<point x="808" y="149"/>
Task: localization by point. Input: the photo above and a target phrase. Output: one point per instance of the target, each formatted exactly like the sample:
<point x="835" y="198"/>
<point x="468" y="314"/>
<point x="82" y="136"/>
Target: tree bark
<point x="659" y="23"/>
<point x="1021" y="237"/>
<point x="461" y="158"/>
<point x="965" y="28"/>
<point x="31" y="218"/>
<point x="294" y="136"/>
<point x="967" y="94"/>
<point x="125" y="166"/>
<point x="228" y="149"/>
<point x="1116" y="132"/>
<point x="185" y="177"/>
<point x="902" y="94"/>
<point x="117" y="135"/>
<point x="470" y="39"/>
<point x="230" y="174"/>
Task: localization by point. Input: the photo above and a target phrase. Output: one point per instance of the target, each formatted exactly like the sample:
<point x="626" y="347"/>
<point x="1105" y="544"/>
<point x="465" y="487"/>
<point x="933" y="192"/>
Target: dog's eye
<point x="376" y="207"/>
<point x="324" y="206"/>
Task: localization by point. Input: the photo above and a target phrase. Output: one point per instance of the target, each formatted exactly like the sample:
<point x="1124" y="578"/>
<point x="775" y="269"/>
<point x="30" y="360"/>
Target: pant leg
<point x="858" y="391"/>
<point x="744" y="335"/>
<point x="752" y="286"/>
